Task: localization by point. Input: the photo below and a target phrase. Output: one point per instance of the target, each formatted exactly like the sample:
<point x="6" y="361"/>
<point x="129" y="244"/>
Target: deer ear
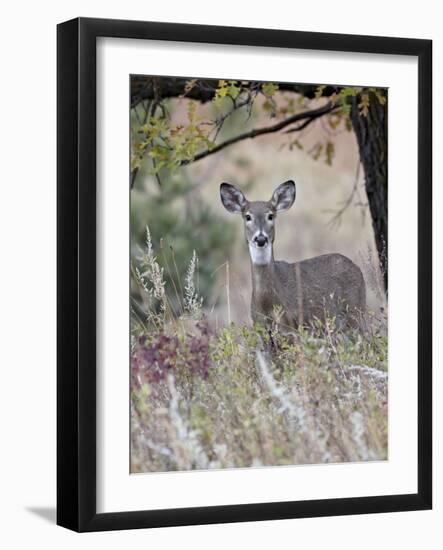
<point x="232" y="198"/>
<point x="284" y="196"/>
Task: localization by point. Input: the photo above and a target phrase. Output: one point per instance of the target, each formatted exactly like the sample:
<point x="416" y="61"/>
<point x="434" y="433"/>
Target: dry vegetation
<point x="206" y="391"/>
<point x="207" y="397"/>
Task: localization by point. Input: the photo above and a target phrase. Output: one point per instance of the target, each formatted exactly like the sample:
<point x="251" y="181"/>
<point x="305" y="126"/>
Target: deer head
<point x="258" y="217"/>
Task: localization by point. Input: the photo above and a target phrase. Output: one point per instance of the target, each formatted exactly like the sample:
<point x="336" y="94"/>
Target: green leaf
<point x="363" y="106"/>
<point x="226" y="89"/>
<point x="269" y="89"/>
<point x="319" y="90"/>
<point x="329" y="153"/>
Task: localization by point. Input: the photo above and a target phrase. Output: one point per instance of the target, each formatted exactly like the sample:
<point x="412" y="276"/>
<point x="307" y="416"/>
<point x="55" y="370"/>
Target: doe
<point x="293" y="293"/>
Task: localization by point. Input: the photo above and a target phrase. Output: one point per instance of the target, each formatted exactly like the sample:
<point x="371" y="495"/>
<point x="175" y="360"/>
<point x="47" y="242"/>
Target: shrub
<point x="172" y="212"/>
<point x="204" y="398"/>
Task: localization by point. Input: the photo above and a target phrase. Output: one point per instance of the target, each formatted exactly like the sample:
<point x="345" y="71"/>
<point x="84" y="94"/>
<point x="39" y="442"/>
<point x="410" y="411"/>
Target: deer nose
<point x="261" y="240"/>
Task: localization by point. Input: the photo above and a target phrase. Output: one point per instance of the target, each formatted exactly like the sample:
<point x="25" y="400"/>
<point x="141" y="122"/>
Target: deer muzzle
<point x="261" y="240"/>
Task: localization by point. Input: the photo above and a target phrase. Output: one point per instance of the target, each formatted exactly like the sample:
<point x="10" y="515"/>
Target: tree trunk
<point x="372" y="137"/>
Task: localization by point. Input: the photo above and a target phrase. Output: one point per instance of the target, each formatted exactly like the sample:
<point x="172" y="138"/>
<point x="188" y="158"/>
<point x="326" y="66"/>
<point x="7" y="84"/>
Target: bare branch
<point x="307" y="117"/>
<point x="335" y="221"/>
<point x="236" y="107"/>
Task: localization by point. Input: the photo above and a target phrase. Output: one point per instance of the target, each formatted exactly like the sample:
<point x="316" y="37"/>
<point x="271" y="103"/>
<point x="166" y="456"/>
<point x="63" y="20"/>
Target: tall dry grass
<point x="206" y="392"/>
<point x="205" y="397"/>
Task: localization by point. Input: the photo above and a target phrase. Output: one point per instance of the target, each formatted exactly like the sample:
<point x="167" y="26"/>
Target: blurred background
<point x="178" y="197"/>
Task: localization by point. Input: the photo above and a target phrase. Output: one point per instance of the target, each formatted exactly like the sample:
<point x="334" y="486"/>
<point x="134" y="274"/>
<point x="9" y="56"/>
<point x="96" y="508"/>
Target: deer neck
<point x="262" y="268"/>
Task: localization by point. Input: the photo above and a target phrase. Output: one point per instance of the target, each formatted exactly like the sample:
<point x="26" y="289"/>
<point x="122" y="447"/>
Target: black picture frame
<point x="76" y="273"/>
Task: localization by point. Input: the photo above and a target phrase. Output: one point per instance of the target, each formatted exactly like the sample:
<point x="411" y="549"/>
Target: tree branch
<point x="307" y="117"/>
<point x="149" y="87"/>
<point x="335" y="221"/>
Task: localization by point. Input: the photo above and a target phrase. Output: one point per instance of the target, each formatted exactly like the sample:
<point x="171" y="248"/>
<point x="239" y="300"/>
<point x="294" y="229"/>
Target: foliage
<point x="341" y="98"/>
<point x="169" y="147"/>
<point x="166" y="144"/>
<point x="179" y="214"/>
<point x="206" y="398"/>
<point x="228" y="89"/>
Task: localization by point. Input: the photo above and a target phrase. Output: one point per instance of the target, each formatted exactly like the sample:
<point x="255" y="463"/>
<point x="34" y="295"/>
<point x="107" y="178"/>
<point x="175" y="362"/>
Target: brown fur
<point x="293" y="294"/>
<point x="330" y="284"/>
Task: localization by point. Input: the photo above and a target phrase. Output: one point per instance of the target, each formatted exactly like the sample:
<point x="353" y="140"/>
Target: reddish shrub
<point x="153" y="358"/>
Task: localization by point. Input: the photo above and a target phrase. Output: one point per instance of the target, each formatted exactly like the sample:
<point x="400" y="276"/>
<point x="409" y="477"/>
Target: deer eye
<point x="248" y="218"/>
<point x="270" y="217"/>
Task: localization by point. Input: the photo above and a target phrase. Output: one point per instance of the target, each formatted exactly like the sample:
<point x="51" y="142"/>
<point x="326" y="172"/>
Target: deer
<point x="293" y="294"/>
